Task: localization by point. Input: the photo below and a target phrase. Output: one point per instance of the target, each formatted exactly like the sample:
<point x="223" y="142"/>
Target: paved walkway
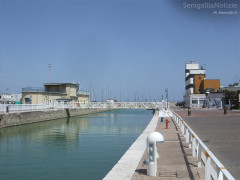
<point x="175" y="161"/>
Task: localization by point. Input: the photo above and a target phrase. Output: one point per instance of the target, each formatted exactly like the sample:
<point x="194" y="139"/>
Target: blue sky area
<point x="132" y="47"/>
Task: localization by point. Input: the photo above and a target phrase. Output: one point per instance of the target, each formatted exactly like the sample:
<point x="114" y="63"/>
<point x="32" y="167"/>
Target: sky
<point x="122" y="49"/>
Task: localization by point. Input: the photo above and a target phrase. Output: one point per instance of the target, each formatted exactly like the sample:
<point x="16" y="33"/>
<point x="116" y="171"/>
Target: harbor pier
<point x="183" y="154"/>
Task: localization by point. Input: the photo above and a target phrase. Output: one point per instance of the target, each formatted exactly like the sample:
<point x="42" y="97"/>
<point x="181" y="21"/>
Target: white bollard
<point x="152" y="155"/>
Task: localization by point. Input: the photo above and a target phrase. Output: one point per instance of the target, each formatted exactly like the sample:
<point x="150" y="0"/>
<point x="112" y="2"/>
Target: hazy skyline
<point x="121" y="47"/>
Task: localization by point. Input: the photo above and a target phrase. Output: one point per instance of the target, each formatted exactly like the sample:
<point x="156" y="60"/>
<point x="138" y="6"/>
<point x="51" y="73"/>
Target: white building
<point x="191" y="70"/>
<point x="191" y="98"/>
<point x="10" y="98"/>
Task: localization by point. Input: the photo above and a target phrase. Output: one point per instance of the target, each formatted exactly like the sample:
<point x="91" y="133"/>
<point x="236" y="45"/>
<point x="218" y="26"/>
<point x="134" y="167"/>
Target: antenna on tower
<point x="49" y="68"/>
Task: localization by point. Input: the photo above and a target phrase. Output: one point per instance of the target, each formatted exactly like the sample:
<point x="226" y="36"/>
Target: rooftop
<point x="54" y="84"/>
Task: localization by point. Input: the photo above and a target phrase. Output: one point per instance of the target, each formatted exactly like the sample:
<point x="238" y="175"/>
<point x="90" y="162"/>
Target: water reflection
<point x="69" y="126"/>
<point x="76" y="145"/>
<point x="69" y="130"/>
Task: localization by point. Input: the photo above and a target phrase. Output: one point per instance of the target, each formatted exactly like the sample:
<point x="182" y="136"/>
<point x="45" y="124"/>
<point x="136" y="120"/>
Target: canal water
<point x="83" y="147"/>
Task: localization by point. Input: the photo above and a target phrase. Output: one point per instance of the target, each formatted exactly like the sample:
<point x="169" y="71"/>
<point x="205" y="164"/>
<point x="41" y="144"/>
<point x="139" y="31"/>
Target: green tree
<point x="230" y="96"/>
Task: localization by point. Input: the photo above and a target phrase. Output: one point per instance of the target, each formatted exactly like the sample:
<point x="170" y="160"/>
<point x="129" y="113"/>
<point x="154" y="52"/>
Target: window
<point x="28" y="101"/>
<point x="194" y="101"/>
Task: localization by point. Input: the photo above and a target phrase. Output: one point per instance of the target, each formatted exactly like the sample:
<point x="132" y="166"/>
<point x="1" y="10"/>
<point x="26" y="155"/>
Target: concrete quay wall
<point x="126" y="166"/>
<point x="19" y="118"/>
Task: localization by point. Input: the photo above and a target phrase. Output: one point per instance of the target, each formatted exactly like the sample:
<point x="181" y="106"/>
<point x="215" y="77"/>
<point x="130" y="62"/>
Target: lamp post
<point x="166" y="90"/>
<point x="49" y="79"/>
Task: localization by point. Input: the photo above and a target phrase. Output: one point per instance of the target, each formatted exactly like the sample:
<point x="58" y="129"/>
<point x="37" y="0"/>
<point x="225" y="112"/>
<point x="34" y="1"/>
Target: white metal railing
<point x="112" y="105"/>
<point x="213" y="167"/>
<point x="197" y="105"/>
<point x="10" y="108"/>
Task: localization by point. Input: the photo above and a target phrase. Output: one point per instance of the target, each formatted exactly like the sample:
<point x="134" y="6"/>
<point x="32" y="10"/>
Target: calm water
<point x="84" y="147"/>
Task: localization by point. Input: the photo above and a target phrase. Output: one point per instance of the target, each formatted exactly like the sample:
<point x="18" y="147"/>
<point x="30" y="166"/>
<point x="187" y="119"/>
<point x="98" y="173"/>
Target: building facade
<point x="54" y="93"/>
<point x="193" y="77"/>
<point x="196" y="85"/>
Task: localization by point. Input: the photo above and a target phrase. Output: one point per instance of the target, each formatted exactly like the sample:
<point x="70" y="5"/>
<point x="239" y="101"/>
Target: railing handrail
<point x="221" y="170"/>
<point x="9" y="108"/>
<point x="33" y="89"/>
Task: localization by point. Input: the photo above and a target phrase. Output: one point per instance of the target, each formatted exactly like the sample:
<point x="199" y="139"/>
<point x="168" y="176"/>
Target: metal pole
<point x="49" y="67"/>
<point x="49" y="79"/>
<point x="166" y="90"/>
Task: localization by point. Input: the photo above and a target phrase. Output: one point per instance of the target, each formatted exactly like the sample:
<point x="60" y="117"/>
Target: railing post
<point x="186" y="134"/>
<point x="207" y="166"/>
<point x="183" y="128"/>
<point x="193" y="146"/>
<point x="199" y="155"/>
<point x="189" y="138"/>
<point x="219" y="173"/>
<point x="180" y="125"/>
<point x="4" y="108"/>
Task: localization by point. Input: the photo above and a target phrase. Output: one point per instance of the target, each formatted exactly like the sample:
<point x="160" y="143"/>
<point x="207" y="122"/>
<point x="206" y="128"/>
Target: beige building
<point x="54" y="93"/>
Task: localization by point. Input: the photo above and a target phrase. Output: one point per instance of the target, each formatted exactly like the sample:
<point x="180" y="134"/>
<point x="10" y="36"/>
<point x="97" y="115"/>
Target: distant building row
<point x="10" y="98"/>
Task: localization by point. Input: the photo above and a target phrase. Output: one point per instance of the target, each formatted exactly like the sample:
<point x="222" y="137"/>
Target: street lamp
<point x="166" y="90"/>
<point x="49" y="80"/>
